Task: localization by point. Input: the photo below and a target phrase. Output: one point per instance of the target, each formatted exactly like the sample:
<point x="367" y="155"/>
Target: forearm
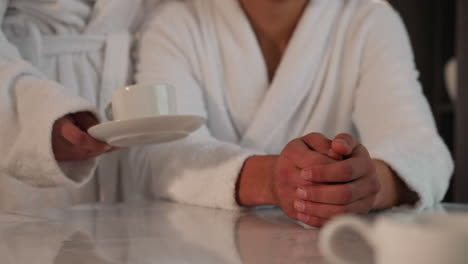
<point x="27" y="145"/>
<point x="254" y="186"/>
<point x="393" y="190"/>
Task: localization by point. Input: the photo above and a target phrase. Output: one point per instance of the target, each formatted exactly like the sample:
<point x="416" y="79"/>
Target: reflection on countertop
<point x="159" y="232"/>
<point x="162" y="232"/>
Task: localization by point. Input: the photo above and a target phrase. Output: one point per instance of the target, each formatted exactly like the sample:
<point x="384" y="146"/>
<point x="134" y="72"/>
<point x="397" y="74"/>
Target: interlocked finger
<point x="328" y="211"/>
<point x="302" y="156"/>
<point x="339" y="194"/>
<point x="344" y="144"/>
<point x="358" y="165"/>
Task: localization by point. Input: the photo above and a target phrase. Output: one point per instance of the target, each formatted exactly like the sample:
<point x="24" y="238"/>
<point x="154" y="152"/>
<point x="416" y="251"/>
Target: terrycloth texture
<point x="348" y="68"/>
<point x="57" y="57"/>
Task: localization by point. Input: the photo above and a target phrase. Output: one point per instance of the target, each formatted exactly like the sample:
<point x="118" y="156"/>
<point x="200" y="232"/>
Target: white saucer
<point x="148" y="130"/>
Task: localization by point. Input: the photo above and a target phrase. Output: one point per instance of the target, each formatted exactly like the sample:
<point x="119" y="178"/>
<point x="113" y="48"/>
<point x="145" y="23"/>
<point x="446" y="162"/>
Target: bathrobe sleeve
<point x="201" y="169"/>
<point x="391" y="113"/>
<point x="29" y="106"/>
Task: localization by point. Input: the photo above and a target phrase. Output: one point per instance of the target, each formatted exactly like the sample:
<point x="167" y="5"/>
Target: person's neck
<point x="274" y="20"/>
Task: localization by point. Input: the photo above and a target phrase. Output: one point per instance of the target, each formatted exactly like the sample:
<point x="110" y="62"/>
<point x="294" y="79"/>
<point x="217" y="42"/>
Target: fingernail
<point x="301" y="193"/>
<point x="306" y="174"/>
<point x="342" y="141"/>
<point x="299" y="205"/>
<point x="302" y="217"/>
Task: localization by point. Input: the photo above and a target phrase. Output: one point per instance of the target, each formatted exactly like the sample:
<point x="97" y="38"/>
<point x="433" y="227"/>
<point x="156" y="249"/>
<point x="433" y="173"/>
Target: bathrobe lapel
<point x="246" y="78"/>
<point x="299" y="75"/>
<point x="113" y="16"/>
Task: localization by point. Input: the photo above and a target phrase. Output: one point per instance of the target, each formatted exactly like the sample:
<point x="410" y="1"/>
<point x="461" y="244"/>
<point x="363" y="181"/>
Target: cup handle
<point x="348" y="240"/>
<point x="108" y="111"/>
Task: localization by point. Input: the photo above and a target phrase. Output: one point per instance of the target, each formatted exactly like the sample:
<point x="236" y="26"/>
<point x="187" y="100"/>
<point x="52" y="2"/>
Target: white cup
<point x="425" y="239"/>
<point x="140" y="101"/>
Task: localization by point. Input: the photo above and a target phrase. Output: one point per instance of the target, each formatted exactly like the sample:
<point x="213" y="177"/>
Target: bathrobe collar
<point x="300" y="68"/>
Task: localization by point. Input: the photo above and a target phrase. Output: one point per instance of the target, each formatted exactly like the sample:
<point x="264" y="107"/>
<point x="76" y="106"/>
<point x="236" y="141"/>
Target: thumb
<point x="84" y="120"/>
<point x="344" y="144"/>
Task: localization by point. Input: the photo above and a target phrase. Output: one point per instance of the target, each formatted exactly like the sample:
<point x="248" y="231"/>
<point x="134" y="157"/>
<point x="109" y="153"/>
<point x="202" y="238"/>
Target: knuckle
<point x="307" y="208"/>
<point x="302" y="162"/>
<point x="314" y="160"/>
<point x="288" y="151"/>
<point x="306" y="195"/>
<point x="319" y="159"/>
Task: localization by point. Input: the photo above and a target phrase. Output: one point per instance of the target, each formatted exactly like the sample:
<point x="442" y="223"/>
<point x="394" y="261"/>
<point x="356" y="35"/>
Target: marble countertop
<point x="158" y="232"/>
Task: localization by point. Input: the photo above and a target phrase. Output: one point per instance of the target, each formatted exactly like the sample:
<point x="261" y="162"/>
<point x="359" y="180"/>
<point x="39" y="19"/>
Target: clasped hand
<point x="316" y="179"/>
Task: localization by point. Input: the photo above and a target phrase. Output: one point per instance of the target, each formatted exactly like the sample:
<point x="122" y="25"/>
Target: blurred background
<point x="439" y="34"/>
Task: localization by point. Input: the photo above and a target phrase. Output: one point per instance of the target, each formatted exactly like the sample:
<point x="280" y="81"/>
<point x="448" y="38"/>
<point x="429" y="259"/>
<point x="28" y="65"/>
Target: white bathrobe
<point x="348" y="69"/>
<point x="56" y="58"/>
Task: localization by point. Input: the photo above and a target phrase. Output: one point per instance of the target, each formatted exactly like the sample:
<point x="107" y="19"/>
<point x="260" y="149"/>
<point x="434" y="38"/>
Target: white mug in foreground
<point x="140" y="101"/>
<point x="426" y="239"/>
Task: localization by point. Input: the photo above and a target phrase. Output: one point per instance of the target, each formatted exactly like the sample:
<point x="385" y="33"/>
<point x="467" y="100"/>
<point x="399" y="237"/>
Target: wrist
<point x="393" y="190"/>
<point x="388" y="194"/>
<point x="255" y="183"/>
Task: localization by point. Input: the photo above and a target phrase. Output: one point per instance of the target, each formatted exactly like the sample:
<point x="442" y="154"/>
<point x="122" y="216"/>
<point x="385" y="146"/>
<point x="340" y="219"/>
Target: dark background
<point x="432" y="26"/>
